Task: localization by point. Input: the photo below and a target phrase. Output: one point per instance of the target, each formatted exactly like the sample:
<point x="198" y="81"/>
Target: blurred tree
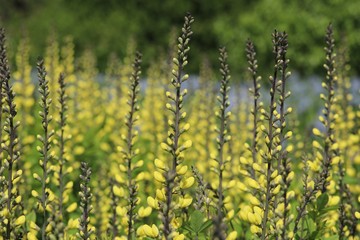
<point x="106" y="26"/>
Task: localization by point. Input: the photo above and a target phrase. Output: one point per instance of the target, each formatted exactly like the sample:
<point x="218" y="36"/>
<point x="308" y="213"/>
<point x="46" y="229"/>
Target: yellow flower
<point x="187" y="144"/>
<point x="72" y="207"/>
<point x="159" y="177"/>
<point x="34" y="193"/>
<point x="254" y="229"/>
<point x="159" y="164"/>
<point x="186" y="183"/>
<point x="31" y="236"/>
<point x="146" y="230"/>
<point x="118" y="191"/>
<point x="316" y="132"/>
<point x="179" y="236"/>
<point x="252" y="183"/>
<point x="232" y="236"/>
<point x="144" y="212"/>
<point x="20" y="220"/>
<point x="160" y="195"/>
<point x="153" y="202"/>
<point x="185" y="202"/>
<point x="73" y="223"/>
<point x="181" y="169"/>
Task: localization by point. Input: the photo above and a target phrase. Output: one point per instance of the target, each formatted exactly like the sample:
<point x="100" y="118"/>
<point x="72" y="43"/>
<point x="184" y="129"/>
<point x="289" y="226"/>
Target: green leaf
<point x="196" y="221"/>
<point x="205" y="225"/>
<point x="188" y="228"/>
<point x="31" y="217"/>
<point x="322" y="200"/>
<point x="350" y="180"/>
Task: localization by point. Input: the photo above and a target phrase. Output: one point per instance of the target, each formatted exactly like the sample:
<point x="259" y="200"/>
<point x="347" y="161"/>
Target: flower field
<point x="83" y="158"/>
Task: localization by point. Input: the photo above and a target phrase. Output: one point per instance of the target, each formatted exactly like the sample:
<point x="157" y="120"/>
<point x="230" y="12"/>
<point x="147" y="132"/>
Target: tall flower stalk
<point x="85" y="231"/>
<point x="130" y="152"/>
<point x="44" y="149"/>
<point x="12" y="197"/>
<point x="223" y="137"/>
<point x="172" y="174"/>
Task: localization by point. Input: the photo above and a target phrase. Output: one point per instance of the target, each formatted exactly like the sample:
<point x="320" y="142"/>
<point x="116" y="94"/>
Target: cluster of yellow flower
<point x="171" y="161"/>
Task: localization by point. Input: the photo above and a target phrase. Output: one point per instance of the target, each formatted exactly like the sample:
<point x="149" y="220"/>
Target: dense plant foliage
<point x="108" y="160"/>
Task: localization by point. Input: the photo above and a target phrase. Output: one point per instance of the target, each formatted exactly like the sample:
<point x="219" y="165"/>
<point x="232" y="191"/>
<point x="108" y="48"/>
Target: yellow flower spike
<point x="153" y="203"/>
<point x="160" y="195"/>
<point x="20" y="220"/>
<point x="357" y="215"/>
<point x="144" y="212"/>
<point x="187" y="183"/>
<point x="118" y="191"/>
<point x="34" y="226"/>
<point x="181" y="169"/>
<point x="232" y="236"/>
<point x="72" y="207"/>
<point x="159" y="177"/>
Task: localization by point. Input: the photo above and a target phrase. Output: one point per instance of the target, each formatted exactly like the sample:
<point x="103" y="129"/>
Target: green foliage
<point x="106" y="26"/>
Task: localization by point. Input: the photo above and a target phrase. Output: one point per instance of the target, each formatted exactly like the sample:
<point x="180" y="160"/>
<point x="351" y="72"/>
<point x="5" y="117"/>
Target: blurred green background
<point x="106" y="26"/>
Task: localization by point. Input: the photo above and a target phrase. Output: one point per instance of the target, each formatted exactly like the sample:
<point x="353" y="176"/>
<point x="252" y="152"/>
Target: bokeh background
<point x="106" y="26"/>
